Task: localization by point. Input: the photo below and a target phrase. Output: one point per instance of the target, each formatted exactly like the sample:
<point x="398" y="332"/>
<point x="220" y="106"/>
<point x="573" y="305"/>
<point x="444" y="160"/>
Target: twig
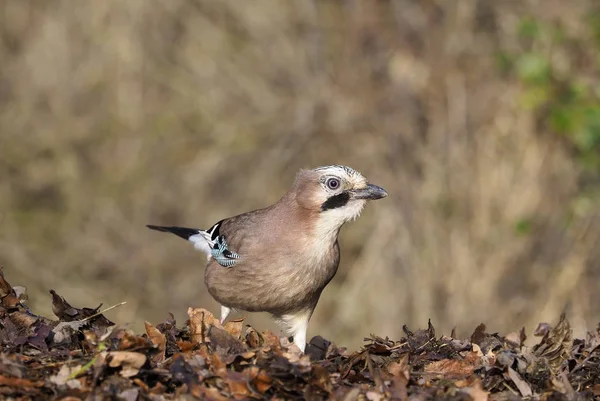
<point x="103" y="311"/>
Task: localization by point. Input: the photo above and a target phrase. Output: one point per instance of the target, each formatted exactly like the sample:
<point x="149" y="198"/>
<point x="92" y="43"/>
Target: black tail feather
<point x="182" y="232"/>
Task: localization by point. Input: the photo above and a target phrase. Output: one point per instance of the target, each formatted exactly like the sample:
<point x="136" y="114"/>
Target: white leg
<point x="300" y="336"/>
<point x="296" y="326"/>
<point x="224" y="313"/>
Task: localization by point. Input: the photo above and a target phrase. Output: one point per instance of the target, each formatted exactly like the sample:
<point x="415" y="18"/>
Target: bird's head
<point x="337" y="193"/>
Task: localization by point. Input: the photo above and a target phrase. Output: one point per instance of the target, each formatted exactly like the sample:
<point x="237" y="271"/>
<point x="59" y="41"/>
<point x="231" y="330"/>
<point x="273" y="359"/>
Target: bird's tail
<point x="182" y="232"/>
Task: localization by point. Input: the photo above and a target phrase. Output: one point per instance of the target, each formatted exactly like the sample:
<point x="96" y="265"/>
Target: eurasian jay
<point x="280" y="258"/>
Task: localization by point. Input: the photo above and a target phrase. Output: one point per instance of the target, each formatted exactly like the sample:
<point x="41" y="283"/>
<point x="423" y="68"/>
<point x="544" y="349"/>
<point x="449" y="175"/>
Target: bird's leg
<point x="300" y="336"/>
<point x="224" y="313"/>
<point x="296" y="325"/>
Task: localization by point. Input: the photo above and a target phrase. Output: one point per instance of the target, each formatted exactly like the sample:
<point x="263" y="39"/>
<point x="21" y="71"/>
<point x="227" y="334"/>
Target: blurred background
<point x="481" y="118"/>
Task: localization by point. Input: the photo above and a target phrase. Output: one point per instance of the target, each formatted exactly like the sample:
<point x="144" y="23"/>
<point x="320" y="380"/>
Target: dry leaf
<point x="238" y="385"/>
<point x="253" y="338"/>
<point x="217" y="365"/>
<point x="234" y="327"/>
<point x="185" y="346"/>
<point x="130" y="362"/>
<point x="64" y="377"/>
<point x="476" y="392"/>
<point x="8" y="296"/>
<point x="129" y="340"/>
<point x="374" y="396"/>
<point x="401" y="374"/>
<point x="200" y="321"/>
<point x="158" y="340"/>
<point x="259" y="378"/>
<point x="16" y="382"/>
<point x="271" y="340"/>
<point x="455" y="368"/>
<point x="513" y="337"/>
<point x="556" y="344"/>
<point x="522" y="385"/>
<point x="131" y="394"/>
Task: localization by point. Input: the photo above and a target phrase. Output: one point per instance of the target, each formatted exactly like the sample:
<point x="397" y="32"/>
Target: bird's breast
<point x="281" y="281"/>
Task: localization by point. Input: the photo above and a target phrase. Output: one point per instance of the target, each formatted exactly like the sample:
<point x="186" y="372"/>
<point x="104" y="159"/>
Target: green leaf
<point x="504" y="62"/>
<point x="594" y="21"/>
<point x="562" y="120"/>
<point x="529" y="28"/>
<point x="588" y="138"/>
<point x="534" y="97"/>
<point x="534" y="69"/>
<point x="523" y="226"/>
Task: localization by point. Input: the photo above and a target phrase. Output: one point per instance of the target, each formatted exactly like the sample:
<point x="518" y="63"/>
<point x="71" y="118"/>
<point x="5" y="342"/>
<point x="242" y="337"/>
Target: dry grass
<point x="118" y="114"/>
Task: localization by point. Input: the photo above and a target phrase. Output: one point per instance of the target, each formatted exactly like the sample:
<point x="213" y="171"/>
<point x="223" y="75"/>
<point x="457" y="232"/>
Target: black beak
<point x="371" y="192"/>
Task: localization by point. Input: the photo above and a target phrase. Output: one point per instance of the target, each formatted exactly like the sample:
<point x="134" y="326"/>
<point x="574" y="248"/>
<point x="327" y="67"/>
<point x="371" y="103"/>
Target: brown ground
<point x="83" y="355"/>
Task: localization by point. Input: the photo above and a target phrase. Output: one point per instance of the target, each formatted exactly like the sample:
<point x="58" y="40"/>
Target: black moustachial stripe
<point x="336" y="201"/>
<point x="182" y="232"/>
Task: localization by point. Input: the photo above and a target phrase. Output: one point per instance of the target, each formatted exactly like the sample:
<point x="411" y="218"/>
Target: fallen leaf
<point x="224" y="342"/>
<point x="21" y="293"/>
<point x="158" y="340"/>
<point x="238" y="385"/>
<point x="129" y="340"/>
<point x="67" y="313"/>
<point x="64" y="330"/>
<point x="130" y="362"/>
<point x="185" y="346"/>
<point x="210" y="393"/>
<point x="234" y="327"/>
<point x="16" y="382"/>
<point x="476" y="392"/>
<point x="8" y="297"/>
<point x="253" y="338"/>
<point x="523" y="387"/>
<point x="62" y="309"/>
<point x="479" y="334"/>
<point x="141" y="385"/>
<point x="556" y="344"/>
<point x="23" y="320"/>
<point x="200" y="321"/>
<point x="317" y="348"/>
<point x="374" y="396"/>
<point x="259" y="378"/>
<point x="271" y="340"/>
<point x="11" y="366"/>
<point x="455" y="368"/>
<point x="217" y="365"/>
<point x="542" y="329"/>
<point x="130" y="394"/>
<point x="401" y="375"/>
<point x="352" y="394"/>
<point x="64" y="377"/>
<point x="513" y="338"/>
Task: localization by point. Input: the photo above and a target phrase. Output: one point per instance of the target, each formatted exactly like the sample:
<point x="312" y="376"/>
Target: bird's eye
<point x="333" y="183"/>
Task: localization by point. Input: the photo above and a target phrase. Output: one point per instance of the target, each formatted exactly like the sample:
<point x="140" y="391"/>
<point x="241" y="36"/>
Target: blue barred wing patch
<point x="221" y="254"/>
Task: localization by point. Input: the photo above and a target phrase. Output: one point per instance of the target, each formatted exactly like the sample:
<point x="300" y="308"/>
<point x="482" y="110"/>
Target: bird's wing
<point x="211" y="242"/>
<point x="238" y="237"/>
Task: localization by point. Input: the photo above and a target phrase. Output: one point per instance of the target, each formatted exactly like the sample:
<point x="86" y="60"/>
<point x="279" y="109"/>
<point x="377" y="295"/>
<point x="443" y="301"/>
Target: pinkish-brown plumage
<point x="287" y="253"/>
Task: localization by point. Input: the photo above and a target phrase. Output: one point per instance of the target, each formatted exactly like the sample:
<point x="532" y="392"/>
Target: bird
<point x="280" y="258"/>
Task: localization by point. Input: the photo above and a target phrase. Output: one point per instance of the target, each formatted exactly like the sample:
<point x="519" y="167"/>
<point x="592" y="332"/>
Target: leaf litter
<point x="83" y="355"/>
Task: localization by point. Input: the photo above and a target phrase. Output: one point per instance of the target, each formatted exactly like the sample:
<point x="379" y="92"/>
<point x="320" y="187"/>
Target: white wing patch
<point x="205" y="239"/>
<point x="202" y="243"/>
